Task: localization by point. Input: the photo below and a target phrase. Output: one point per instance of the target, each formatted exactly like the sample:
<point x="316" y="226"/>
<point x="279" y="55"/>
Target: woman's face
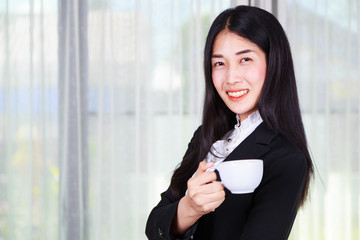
<point x="238" y="72"/>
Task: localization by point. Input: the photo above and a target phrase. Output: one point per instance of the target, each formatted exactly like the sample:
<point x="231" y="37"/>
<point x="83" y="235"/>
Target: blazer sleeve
<point x="159" y="221"/>
<point x="276" y="200"/>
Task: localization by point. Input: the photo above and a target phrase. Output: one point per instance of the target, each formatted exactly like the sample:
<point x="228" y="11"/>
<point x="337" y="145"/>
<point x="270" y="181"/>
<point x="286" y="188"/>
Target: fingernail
<point x="209" y="164"/>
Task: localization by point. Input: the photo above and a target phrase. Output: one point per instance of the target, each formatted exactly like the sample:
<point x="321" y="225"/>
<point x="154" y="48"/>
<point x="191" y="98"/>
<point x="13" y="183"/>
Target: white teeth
<point x="238" y="94"/>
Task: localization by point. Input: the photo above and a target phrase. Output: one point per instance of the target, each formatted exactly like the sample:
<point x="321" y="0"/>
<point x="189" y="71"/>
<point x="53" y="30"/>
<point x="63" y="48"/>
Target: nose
<point x="233" y="74"/>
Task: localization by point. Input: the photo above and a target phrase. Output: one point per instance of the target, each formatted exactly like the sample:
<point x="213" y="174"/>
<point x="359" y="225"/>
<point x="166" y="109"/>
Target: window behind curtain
<point x="93" y="125"/>
<point x="135" y="98"/>
<point x="29" y="173"/>
<point x="324" y="36"/>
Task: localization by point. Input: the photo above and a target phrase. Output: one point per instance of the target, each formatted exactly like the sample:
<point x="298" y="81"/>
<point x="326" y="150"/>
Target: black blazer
<point x="266" y="214"/>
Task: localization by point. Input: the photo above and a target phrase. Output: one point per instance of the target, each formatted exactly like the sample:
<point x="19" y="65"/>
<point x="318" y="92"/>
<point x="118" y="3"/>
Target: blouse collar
<point x="253" y="119"/>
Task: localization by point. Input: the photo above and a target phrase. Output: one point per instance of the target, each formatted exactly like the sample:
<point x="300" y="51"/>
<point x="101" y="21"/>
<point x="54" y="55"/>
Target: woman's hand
<point x="204" y="195"/>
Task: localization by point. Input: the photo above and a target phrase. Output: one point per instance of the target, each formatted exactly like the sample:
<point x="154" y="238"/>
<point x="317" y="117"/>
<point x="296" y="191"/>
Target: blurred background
<point x="99" y="98"/>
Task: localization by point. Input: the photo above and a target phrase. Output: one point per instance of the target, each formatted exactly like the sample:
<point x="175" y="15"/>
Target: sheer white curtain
<point x="325" y="39"/>
<point x="99" y="98"/>
<point x="145" y="96"/>
<point x="29" y="172"/>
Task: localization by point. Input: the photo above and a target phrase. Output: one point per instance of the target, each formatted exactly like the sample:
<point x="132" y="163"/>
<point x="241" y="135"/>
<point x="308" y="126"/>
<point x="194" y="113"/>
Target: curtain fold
<point x="73" y="120"/>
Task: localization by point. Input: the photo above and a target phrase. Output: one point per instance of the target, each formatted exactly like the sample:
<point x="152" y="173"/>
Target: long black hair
<point x="278" y="103"/>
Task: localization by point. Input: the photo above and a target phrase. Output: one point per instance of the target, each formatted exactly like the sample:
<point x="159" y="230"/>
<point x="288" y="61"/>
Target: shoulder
<point x="194" y="142"/>
<point x="286" y="160"/>
<point x="283" y="145"/>
<point x="198" y="131"/>
<point x="284" y="153"/>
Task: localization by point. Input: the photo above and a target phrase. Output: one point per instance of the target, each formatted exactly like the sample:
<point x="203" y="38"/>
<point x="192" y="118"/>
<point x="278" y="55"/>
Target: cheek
<point x="257" y="77"/>
<point x="217" y="81"/>
<point x="263" y="71"/>
<point x="263" y="75"/>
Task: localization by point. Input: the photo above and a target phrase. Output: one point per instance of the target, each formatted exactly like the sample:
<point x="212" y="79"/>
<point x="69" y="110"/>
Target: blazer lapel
<point x="255" y="145"/>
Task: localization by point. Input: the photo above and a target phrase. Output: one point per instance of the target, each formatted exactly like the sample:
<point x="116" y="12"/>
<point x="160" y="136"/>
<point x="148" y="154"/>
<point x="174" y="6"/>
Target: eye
<point x="218" y="64"/>
<point x="245" y="59"/>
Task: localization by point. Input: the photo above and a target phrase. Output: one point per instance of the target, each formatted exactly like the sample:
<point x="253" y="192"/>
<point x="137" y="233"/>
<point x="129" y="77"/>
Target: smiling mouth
<point x="238" y="94"/>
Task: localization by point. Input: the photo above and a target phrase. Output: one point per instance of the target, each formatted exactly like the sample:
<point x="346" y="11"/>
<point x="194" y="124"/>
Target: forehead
<point x="230" y="40"/>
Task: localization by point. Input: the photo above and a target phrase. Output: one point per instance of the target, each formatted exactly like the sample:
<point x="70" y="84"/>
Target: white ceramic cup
<point x="240" y="176"/>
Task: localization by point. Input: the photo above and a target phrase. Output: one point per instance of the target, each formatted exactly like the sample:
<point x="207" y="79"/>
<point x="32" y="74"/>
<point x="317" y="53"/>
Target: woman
<point x="250" y="84"/>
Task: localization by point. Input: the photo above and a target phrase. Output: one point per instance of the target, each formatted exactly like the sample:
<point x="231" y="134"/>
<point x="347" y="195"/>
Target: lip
<point x="235" y="99"/>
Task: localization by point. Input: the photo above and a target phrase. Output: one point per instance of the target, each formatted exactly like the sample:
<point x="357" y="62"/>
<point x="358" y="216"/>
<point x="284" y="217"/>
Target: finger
<point x="209" y="202"/>
<point x="216" y="198"/>
<point x="212" y="187"/>
<point x="196" y="191"/>
<point x="207" y="193"/>
<point x="203" y="166"/>
<point x="213" y="205"/>
<point x="202" y="178"/>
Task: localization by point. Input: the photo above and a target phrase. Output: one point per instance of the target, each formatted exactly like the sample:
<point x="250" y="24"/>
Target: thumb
<point x="203" y="166"/>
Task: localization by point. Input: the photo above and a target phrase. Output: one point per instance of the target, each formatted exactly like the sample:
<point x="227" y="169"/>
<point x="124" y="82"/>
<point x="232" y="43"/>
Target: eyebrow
<point x="238" y="53"/>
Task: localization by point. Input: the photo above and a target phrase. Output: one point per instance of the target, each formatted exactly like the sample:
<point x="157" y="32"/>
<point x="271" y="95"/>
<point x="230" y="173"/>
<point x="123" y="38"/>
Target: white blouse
<point x="222" y="148"/>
